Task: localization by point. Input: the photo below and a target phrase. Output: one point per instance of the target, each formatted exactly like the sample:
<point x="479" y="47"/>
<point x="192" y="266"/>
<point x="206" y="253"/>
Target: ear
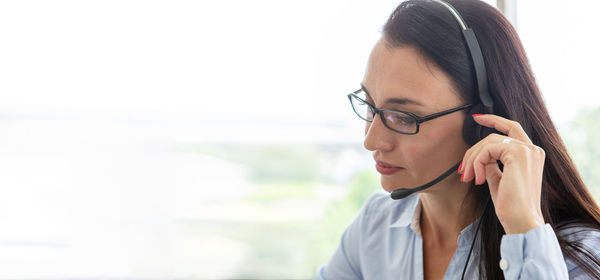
<point x="471" y="129"/>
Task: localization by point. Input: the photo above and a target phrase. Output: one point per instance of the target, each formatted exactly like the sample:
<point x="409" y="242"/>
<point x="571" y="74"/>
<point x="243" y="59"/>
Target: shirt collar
<point x="411" y="217"/>
<point x="410" y="214"/>
<point x="466" y="235"/>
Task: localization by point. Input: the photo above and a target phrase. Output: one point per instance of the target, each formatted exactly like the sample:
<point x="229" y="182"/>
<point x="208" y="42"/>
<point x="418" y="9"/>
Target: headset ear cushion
<point x="471" y="129"/>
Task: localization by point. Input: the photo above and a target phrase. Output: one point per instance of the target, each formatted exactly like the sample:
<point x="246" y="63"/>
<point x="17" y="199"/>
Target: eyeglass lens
<point x="397" y="121"/>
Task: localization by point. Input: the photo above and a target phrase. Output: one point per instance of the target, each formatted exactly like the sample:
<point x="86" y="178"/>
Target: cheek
<point x="437" y="150"/>
<point x="420" y="153"/>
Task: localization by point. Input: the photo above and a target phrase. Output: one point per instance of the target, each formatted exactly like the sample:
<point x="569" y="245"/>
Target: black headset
<point x="472" y="131"/>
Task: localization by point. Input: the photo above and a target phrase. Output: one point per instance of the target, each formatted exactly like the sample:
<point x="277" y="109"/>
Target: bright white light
<point x="97" y="97"/>
<point x="563" y="54"/>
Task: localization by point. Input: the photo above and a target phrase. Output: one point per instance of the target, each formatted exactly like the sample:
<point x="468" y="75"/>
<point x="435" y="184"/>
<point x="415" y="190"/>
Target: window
<point x="208" y="139"/>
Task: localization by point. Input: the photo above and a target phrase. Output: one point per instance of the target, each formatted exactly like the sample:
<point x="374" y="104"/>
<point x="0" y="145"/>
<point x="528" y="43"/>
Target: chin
<point x="389" y="185"/>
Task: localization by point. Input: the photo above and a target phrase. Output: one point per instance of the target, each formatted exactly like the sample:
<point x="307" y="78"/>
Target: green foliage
<point x="582" y="138"/>
<point x="268" y="162"/>
<point x="276" y="250"/>
<point x="363" y="185"/>
<point x="271" y="249"/>
<point x="340" y="215"/>
<point x="287" y="175"/>
<point x="274" y="191"/>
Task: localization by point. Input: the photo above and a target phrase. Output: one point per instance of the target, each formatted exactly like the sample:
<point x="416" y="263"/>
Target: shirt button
<point x="503" y="264"/>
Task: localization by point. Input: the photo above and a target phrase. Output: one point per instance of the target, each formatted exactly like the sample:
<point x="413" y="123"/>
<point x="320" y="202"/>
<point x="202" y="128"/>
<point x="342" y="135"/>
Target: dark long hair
<point x="565" y="200"/>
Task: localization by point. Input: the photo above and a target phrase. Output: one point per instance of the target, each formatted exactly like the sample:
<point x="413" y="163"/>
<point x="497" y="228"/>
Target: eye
<point x="402" y="119"/>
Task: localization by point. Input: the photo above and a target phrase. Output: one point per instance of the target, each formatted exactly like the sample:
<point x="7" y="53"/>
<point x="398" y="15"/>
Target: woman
<point x="540" y="221"/>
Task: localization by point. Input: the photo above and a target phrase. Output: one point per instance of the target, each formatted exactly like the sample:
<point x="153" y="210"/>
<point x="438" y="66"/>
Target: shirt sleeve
<point x="345" y="262"/>
<point x="535" y="254"/>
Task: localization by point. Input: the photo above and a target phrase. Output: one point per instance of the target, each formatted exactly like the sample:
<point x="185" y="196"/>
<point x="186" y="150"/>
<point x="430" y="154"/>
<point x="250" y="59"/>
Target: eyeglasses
<point x="396" y="120"/>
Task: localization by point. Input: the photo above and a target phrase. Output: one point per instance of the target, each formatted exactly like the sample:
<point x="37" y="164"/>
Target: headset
<point x="472" y="131"/>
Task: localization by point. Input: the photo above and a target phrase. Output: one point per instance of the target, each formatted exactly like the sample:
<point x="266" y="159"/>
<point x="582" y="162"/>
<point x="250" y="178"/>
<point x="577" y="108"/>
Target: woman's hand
<point x="516" y="190"/>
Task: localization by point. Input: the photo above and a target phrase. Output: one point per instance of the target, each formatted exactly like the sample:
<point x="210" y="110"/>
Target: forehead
<point x="405" y="73"/>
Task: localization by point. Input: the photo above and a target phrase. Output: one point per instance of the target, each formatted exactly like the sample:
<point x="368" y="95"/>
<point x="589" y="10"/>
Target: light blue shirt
<point x="384" y="242"/>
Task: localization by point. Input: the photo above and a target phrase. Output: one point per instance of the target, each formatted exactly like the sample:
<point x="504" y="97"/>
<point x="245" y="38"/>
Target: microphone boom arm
<point x="403" y="192"/>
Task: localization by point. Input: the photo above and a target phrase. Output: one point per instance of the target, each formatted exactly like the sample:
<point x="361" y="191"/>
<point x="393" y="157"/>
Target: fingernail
<point x="459" y="166"/>
<point x="476" y="115"/>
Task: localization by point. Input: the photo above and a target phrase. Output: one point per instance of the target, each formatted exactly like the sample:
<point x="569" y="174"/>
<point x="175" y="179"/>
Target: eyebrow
<point x="399" y="101"/>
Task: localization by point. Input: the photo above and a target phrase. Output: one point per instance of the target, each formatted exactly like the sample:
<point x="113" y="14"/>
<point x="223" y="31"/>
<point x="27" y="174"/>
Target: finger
<point x="468" y="163"/>
<point x="511" y="128"/>
<point x="493" y="175"/>
<point x="480" y="169"/>
<point x="507" y="154"/>
<point x="490" y="150"/>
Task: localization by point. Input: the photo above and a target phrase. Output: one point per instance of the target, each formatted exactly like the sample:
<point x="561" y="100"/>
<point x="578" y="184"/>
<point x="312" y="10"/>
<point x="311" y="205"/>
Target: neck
<point x="446" y="210"/>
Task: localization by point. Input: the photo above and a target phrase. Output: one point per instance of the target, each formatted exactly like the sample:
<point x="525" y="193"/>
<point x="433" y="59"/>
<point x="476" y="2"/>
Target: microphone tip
<point x="401" y="193"/>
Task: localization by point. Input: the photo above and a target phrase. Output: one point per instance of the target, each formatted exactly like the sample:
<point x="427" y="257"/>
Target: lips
<point x="386" y="168"/>
<point x="386" y="165"/>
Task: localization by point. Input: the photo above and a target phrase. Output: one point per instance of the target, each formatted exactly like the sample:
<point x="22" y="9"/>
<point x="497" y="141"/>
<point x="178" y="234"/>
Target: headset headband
<point x="476" y="57"/>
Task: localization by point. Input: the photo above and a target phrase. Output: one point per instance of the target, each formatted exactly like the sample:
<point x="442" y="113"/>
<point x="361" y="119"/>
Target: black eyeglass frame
<point x="418" y="119"/>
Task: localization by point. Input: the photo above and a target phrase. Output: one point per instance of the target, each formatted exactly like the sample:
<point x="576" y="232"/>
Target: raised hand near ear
<point x="515" y="190"/>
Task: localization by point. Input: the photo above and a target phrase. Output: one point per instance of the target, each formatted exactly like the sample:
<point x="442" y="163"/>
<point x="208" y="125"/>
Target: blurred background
<point x="214" y="139"/>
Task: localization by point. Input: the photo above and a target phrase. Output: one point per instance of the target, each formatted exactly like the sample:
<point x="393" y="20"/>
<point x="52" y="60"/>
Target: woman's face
<point x="403" y="73"/>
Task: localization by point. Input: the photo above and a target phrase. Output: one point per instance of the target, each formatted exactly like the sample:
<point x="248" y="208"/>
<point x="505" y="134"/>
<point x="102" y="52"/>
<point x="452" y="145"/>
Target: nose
<point x="377" y="135"/>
